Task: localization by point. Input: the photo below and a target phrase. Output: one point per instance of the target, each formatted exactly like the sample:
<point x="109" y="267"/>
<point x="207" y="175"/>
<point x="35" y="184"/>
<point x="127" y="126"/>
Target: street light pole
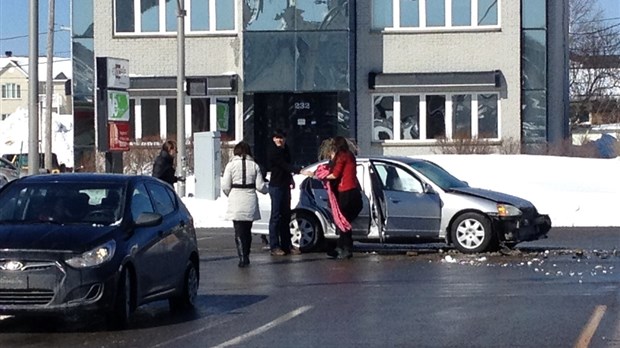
<point x="181" y="157"/>
<point x="49" y="87"/>
<point x="33" y="89"/>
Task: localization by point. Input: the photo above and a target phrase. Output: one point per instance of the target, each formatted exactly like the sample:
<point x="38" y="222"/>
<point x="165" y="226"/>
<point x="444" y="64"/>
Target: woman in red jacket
<point x="342" y="175"/>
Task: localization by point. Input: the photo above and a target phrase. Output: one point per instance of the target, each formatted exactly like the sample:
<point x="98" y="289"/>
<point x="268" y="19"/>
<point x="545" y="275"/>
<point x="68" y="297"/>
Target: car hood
<point x="45" y="236"/>
<point x="498" y="197"/>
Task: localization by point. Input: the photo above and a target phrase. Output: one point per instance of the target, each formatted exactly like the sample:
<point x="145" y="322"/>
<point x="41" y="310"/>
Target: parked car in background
<point x="7" y="172"/>
<point x="94" y="242"/>
<point x="20" y="161"/>
<point x="409" y="200"/>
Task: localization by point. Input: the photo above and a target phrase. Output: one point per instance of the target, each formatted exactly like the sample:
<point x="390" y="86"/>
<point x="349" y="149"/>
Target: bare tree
<point x="594" y="64"/>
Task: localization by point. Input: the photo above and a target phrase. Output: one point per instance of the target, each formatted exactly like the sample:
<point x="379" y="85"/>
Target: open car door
<point x="409" y="209"/>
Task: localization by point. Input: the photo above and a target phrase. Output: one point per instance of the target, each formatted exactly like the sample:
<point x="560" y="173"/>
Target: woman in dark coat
<point x="163" y="167"/>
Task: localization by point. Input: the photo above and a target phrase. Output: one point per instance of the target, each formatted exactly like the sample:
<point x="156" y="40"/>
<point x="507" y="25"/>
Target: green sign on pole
<point x="118" y="106"/>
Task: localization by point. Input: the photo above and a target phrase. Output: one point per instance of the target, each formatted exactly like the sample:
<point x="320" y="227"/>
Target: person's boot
<point x="240" y="253"/>
<point x="335" y="252"/>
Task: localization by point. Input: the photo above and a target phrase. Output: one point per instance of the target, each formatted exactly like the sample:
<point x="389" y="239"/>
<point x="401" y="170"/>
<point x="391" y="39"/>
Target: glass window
<point x="534" y="14"/>
<point x="322" y="15"/>
<point x="199" y="20"/>
<point x="534" y="116"/>
<point x="461" y="12"/>
<point x="534" y="59"/>
<point x="171" y="15"/>
<point x="140" y="202"/>
<point x="200" y="115"/>
<point x="382" y="13"/>
<point x="268" y="15"/>
<point x="397" y="179"/>
<point x="410" y="117"/>
<point x="487" y="12"/>
<point x="487" y="116"/>
<point x="461" y="115"/>
<point x="383" y="118"/>
<point x="164" y="203"/>
<point x="171" y="118"/>
<point x="435" y="13"/>
<point x="150" y="15"/>
<point x="150" y="119"/>
<point x="124" y="16"/>
<point x="269" y="61"/>
<point x="409" y="13"/>
<point x="322" y="61"/>
<point x="435" y="116"/>
<point x="11" y="91"/>
<point x="226" y="118"/>
<point x="224" y="14"/>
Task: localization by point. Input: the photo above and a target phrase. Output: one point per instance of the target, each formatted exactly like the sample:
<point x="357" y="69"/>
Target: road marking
<point x="588" y="331"/>
<point x="264" y="328"/>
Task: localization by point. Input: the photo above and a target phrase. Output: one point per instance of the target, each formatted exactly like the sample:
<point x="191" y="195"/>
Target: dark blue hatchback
<point x="103" y="242"/>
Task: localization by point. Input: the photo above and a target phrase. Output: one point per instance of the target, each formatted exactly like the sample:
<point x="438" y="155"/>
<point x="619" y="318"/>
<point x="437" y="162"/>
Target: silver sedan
<point x="410" y="200"/>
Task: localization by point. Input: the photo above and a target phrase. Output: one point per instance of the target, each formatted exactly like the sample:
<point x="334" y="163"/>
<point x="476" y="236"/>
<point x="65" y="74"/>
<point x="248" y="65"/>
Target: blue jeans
<point x="279" y="231"/>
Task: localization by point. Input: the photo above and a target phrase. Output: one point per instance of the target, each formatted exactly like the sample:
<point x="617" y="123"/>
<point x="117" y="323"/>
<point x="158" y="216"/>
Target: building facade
<point x="14" y="84"/>
<point x="399" y="76"/>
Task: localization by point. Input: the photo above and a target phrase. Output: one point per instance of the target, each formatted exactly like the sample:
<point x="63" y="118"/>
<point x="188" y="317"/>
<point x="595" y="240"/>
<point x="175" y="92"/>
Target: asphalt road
<point x="559" y="292"/>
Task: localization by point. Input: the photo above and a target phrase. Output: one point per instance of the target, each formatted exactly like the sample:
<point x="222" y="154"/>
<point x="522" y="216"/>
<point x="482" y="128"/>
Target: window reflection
<point x="461" y="114"/>
<point x="410" y="117"/>
<point x="171" y="15"/>
<point x="150" y="15"/>
<point x="171" y="117"/>
<point x="382" y="14"/>
<point x="534" y="116"/>
<point x="383" y="116"/>
<point x="224" y="14"/>
<point x="200" y="115"/>
<point x="534" y="58"/>
<point x="461" y="12"/>
<point x="150" y="119"/>
<point x="435" y="116"/>
<point x="124" y="16"/>
<point x="265" y="15"/>
<point x="488" y="116"/>
<point x="487" y="12"/>
<point x="410" y="13"/>
<point x="534" y="14"/>
<point x="435" y="13"/>
<point x="199" y="20"/>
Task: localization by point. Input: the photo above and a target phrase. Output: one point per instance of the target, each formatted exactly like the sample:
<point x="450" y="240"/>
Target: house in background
<point x="400" y="77"/>
<point x="14" y="83"/>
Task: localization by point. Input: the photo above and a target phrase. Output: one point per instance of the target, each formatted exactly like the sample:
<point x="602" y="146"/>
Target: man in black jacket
<point x="280" y="183"/>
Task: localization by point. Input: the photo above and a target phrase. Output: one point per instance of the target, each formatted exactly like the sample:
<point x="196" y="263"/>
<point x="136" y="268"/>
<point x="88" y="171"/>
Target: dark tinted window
<point x="163" y="199"/>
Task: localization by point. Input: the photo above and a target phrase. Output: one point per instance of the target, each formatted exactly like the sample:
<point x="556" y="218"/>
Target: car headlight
<point x="507" y="210"/>
<point x="94" y="257"/>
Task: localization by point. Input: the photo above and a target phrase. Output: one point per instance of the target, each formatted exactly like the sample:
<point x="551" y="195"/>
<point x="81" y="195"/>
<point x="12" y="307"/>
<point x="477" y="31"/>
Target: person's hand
<point x="308" y="173"/>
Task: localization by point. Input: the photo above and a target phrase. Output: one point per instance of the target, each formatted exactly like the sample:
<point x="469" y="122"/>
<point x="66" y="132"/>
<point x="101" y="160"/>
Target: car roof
<point x="85" y="177"/>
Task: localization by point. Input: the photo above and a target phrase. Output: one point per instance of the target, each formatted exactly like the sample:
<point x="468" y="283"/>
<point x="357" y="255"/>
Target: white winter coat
<point x="243" y="202"/>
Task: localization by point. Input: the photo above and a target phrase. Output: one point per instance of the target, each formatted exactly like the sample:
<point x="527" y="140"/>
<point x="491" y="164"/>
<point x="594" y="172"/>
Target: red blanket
<point x="321" y="173"/>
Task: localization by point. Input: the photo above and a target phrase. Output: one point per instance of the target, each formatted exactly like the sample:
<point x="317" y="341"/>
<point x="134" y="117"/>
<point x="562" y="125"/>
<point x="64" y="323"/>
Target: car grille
<point x="25" y="297"/>
<point x="27" y="283"/>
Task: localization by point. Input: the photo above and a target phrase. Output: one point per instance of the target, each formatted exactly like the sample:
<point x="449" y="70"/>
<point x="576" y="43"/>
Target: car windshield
<point x="62" y="203"/>
<point x="437" y="175"/>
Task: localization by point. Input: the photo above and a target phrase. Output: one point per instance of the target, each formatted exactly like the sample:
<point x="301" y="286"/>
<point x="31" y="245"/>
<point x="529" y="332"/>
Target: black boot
<point x="242" y="258"/>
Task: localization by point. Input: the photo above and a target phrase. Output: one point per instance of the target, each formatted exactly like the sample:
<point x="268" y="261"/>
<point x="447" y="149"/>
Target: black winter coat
<point x="163" y="167"/>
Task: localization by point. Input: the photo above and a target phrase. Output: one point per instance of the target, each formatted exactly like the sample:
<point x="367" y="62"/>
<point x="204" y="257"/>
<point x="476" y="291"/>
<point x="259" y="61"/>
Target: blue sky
<point x="14" y="15"/>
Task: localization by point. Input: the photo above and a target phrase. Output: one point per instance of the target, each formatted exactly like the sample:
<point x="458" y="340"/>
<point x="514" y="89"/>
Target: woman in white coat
<point x="242" y="178"/>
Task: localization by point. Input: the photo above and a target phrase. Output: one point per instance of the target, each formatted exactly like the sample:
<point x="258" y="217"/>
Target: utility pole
<point x="181" y="157"/>
<point x="49" y="86"/>
<point x="33" y="89"/>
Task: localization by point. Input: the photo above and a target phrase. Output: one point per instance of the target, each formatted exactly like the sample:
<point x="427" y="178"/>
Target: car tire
<point x="124" y="303"/>
<point x="187" y="299"/>
<point x="472" y="233"/>
<point x="306" y="232"/>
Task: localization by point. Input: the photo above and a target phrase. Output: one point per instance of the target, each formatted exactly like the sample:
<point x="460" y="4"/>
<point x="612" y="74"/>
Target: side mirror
<point x="148" y="219"/>
<point x="428" y="188"/>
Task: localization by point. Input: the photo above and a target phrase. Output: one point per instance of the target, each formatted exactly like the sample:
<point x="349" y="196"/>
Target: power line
<point x="27" y="35"/>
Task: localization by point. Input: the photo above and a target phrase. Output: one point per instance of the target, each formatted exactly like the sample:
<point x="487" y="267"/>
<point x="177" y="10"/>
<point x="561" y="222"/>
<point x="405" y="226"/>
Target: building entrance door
<point x="307" y="118"/>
